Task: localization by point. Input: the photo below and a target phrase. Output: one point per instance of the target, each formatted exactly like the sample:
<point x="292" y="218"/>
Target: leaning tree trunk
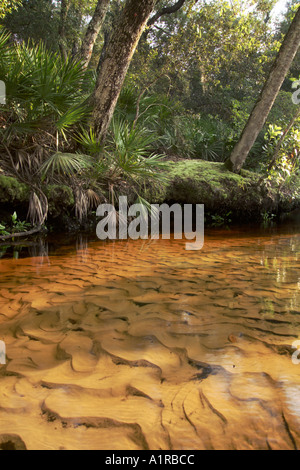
<point x="268" y="95"/>
<point x="119" y="52"/>
<point x="93" y="30"/>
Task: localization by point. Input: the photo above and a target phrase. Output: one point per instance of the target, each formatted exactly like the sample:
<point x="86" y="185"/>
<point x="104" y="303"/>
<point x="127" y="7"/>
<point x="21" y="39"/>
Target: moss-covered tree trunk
<point x="93" y="30"/>
<point x="118" y="55"/>
<point x="268" y="95"/>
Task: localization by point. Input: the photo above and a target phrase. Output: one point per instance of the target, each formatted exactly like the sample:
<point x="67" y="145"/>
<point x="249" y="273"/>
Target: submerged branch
<point x="21" y="234"/>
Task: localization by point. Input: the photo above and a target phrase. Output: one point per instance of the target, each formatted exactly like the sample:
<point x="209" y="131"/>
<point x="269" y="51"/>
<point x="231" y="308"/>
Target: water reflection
<point x="143" y="345"/>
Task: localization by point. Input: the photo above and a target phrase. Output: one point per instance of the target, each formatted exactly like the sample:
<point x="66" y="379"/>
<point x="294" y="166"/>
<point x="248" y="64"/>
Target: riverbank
<point x="246" y="196"/>
<point x="227" y="196"/>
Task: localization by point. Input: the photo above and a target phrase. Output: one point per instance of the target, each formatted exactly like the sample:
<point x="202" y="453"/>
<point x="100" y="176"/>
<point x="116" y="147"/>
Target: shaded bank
<point x="245" y="197"/>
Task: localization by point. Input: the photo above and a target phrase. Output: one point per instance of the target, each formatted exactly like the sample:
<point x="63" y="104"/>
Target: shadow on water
<point x="53" y="244"/>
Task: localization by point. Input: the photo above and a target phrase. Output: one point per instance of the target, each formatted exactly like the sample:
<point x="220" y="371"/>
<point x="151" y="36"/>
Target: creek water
<point x="144" y="345"/>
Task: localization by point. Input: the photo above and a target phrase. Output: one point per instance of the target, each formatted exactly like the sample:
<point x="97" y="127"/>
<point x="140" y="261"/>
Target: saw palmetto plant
<point x="46" y="138"/>
<point x="130" y="151"/>
<point x="46" y="98"/>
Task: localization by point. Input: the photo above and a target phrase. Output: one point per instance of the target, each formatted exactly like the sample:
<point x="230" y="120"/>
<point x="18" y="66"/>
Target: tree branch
<point x="166" y="11"/>
<point x="21" y="234"/>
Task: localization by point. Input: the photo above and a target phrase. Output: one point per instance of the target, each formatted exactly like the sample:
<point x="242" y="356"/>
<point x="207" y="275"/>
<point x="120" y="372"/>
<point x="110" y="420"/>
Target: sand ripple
<point x="147" y="346"/>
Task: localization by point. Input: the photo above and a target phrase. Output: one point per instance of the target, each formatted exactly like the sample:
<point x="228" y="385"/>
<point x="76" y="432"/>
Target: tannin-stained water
<point x="144" y="345"/>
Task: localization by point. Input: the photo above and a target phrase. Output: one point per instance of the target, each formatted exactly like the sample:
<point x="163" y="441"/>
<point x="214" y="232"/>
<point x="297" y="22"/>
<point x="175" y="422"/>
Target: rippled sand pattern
<point x="148" y="346"/>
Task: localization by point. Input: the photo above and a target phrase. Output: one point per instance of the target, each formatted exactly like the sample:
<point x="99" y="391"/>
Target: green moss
<point x="60" y="199"/>
<point x="220" y="190"/>
<point x="216" y="173"/>
<point x="11" y="191"/>
<point x="60" y="194"/>
<point x="155" y="193"/>
<point x="187" y="182"/>
<point x="14" y="194"/>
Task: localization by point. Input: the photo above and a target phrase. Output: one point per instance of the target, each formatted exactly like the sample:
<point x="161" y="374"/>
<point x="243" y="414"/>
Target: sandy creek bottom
<point x="143" y="345"/>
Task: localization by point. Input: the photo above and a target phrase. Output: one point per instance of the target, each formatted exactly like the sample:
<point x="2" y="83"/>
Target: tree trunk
<point x="119" y="52"/>
<point x="268" y="95"/>
<point x="65" y="6"/>
<point x="93" y="30"/>
<point x="106" y="35"/>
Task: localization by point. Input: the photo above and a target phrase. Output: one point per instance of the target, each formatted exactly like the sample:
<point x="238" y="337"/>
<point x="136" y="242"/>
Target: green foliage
<point x="16" y="226"/>
<point x="177" y="132"/>
<point x="288" y="159"/>
<point x="12" y="191"/>
<point x="7" y="6"/>
<point x="3" y="230"/>
<point x="46" y="100"/>
<point x="267" y="219"/>
<point x="129" y="150"/>
<point x="46" y="138"/>
<point x="195" y="136"/>
<point x="189" y="92"/>
<point x="221" y="220"/>
<point x="40" y="20"/>
<point x="211" y="137"/>
<point x="208" y="54"/>
<point x="66" y="164"/>
<point x="88" y="140"/>
<point x="34" y="20"/>
<point x="240" y="113"/>
<point x="282" y="111"/>
<point x="43" y="92"/>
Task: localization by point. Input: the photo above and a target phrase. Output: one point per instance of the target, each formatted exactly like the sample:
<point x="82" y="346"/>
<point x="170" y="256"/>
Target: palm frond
<point x="85" y="200"/>
<point x="66" y="164"/>
<point x="89" y="140"/>
<point x="38" y="208"/>
<point x="71" y="117"/>
<point x="130" y="151"/>
<point x="148" y="209"/>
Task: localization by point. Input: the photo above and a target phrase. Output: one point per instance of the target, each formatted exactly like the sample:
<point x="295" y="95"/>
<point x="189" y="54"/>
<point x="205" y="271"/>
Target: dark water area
<point x="144" y="345"/>
<point x="58" y="243"/>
